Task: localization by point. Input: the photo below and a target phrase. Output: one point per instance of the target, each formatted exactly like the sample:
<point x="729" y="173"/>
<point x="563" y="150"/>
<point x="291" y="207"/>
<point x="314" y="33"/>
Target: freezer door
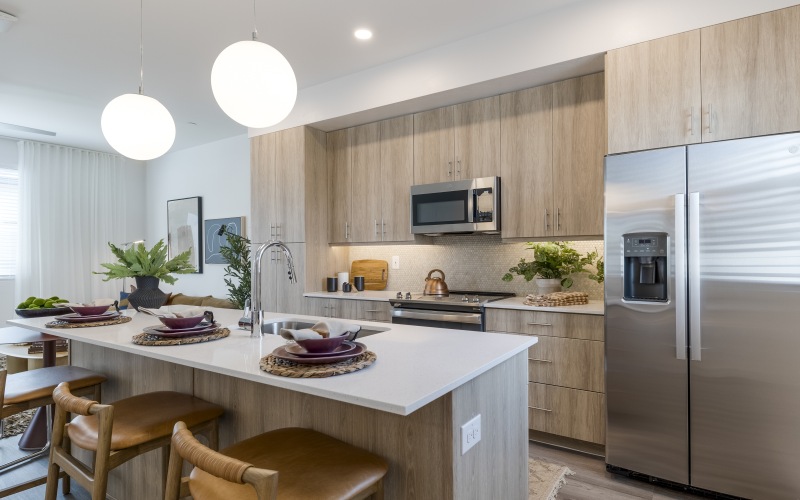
<point x="646" y="367"/>
<point x="745" y="368"/>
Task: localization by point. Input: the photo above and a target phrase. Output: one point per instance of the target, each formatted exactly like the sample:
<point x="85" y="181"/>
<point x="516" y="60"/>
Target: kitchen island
<point x="408" y="407"/>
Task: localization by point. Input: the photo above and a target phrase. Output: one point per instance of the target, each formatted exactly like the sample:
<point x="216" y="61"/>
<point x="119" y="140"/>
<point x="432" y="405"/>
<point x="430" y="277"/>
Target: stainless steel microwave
<point x="468" y="206"/>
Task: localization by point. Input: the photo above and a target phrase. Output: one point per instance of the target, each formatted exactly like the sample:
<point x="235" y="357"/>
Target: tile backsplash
<point x="470" y="262"/>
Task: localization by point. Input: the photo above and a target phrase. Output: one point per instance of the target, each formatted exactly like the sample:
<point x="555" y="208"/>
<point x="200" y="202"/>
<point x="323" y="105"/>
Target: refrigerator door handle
<point x="680" y="276"/>
<point x="694" y="275"/>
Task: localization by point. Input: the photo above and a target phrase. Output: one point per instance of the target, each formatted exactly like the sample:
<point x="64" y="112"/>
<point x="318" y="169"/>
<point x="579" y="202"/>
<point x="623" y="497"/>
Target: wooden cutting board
<point x="375" y="273"/>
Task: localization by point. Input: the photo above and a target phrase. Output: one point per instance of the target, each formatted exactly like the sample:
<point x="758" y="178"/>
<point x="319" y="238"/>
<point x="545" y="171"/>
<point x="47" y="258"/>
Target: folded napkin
<point x="166" y="313"/>
<point x="331" y="328"/>
<point x="303" y="334"/>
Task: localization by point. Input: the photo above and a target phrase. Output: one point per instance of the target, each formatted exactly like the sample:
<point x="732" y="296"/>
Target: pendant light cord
<point x="255" y="29"/>
<point x="141" y="49"/>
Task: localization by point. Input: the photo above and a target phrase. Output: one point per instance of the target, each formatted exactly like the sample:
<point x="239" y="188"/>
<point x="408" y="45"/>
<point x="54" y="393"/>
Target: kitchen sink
<point x="274" y="327"/>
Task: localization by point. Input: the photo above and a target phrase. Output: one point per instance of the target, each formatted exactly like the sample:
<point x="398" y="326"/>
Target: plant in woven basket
<point x="237" y="273"/>
<point x="551" y="260"/>
<point x="137" y="261"/>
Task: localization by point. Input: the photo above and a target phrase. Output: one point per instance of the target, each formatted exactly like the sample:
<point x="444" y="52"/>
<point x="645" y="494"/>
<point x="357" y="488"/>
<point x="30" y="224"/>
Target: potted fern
<point x="237" y="273"/>
<point x="552" y="265"/>
<point x="148" y="268"/>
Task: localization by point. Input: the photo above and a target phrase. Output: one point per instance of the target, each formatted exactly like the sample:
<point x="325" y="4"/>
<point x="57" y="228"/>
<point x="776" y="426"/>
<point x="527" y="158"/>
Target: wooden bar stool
<point x="308" y="463"/>
<point x="118" y="432"/>
<point x="34" y="389"/>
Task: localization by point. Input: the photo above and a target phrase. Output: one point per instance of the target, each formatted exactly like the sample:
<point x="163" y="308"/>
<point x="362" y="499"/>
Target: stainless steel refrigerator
<point x="702" y="291"/>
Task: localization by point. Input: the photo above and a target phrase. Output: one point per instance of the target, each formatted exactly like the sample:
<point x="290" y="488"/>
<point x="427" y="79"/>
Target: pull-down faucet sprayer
<point x="257" y="314"/>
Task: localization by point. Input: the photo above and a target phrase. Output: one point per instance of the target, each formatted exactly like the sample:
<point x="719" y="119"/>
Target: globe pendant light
<point x="253" y="83"/>
<point x="135" y="125"/>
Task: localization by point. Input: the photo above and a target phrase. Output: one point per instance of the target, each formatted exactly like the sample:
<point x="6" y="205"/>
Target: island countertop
<point x="415" y="365"/>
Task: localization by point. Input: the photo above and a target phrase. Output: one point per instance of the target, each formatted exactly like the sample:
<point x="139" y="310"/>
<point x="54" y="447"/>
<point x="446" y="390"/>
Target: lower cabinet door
<point x="573" y="363"/>
<point x="567" y="412"/>
<point x="373" y="310"/>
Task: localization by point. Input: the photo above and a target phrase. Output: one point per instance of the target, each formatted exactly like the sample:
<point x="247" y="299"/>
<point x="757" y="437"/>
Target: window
<point x="9" y="215"/>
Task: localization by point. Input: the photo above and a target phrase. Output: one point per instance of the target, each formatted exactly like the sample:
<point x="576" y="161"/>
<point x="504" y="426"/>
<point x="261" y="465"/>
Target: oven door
<point x="438" y="319"/>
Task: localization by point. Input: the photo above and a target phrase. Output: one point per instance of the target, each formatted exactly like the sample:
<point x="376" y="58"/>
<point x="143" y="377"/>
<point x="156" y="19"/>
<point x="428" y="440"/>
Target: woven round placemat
<point x="276" y="366"/>
<point x="63" y="324"/>
<point x="148" y="339"/>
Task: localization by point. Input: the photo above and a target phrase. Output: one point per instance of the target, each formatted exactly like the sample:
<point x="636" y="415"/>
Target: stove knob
<point x="408" y="295"/>
<point x="399" y="295"/>
<point x="464" y="299"/>
<point x="476" y="299"/>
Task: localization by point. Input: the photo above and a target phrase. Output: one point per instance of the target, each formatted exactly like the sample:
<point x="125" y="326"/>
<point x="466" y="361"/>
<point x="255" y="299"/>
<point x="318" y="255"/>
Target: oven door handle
<point x="447" y="316"/>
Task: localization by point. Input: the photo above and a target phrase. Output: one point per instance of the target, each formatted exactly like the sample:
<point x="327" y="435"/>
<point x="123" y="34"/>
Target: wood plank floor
<point x="592" y="482"/>
<point x="9" y="451"/>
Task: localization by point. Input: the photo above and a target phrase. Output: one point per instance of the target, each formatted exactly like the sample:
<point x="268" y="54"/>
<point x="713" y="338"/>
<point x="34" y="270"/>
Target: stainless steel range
<point x="461" y="310"/>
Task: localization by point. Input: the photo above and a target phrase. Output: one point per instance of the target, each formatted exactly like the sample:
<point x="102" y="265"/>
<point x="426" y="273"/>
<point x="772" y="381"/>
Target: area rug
<point x="545" y="479"/>
<point x="15" y="424"/>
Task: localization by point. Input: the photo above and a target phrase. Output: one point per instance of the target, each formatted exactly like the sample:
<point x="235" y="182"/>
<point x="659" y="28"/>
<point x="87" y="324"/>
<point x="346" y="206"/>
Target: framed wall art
<point x="214" y="240"/>
<point x="184" y="230"/>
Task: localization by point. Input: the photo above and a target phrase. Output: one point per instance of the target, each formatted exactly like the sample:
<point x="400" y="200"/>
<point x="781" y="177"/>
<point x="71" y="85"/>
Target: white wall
<point x="219" y="172"/>
<point x="511" y="57"/>
<point x="8" y="158"/>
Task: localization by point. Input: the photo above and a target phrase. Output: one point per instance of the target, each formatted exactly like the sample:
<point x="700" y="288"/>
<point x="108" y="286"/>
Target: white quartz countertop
<point x="593" y="307"/>
<point x="376" y="295"/>
<point x="415" y="365"/>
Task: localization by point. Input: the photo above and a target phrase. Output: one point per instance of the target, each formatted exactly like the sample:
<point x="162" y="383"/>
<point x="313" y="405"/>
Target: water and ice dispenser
<point x="645" y="268"/>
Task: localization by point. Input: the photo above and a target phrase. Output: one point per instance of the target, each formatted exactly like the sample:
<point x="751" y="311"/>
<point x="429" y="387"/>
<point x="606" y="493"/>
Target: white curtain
<point x="72" y="203"/>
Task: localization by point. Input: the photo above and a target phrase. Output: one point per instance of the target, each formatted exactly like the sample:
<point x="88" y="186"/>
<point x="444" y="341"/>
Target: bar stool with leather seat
<point x="34" y="389"/>
<point x="119" y="432"/>
<point x="285" y="464"/>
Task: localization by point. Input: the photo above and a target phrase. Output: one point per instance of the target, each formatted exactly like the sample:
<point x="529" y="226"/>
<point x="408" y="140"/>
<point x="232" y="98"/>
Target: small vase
<point x="545" y="286"/>
<point x="147" y="293"/>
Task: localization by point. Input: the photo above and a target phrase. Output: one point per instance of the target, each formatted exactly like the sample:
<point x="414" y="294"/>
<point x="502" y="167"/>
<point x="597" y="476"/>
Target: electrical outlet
<point x="470" y="434"/>
<point x="396" y="262"/>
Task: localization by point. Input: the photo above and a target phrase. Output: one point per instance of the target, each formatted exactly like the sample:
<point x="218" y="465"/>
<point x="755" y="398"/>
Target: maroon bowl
<point x="178" y="323"/>
<point x="90" y="310"/>
<point x="321" y="345"/>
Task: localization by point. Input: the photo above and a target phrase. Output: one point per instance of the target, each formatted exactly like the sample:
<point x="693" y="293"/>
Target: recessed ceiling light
<point x="363" y="34"/>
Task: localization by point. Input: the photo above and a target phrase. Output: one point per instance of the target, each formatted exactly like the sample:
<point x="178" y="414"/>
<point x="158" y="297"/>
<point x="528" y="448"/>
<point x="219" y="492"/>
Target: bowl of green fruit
<point x="36" y="307"/>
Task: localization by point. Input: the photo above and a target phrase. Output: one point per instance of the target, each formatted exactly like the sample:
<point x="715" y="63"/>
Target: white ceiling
<point x="64" y="60"/>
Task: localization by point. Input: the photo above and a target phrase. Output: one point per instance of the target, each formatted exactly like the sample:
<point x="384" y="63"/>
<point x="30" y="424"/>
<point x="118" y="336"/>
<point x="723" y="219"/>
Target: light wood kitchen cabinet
<point x="567" y="412"/>
<point x="527" y="162"/>
<point x="374" y="310"/>
<point x="332" y="308"/>
<point x="289" y="186"/>
<point x="365" y="188"/>
<point x="397" y="176"/>
<point x="749" y="74"/>
<point x="552" y="147"/>
<point x="339" y="173"/>
<point x="579" y="143"/>
<point x="371" y="169"/>
<point x="566" y="370"/>
<point x="727" y="81"/>
<point x="457" y="142"/>
<point x="653" y="93"/>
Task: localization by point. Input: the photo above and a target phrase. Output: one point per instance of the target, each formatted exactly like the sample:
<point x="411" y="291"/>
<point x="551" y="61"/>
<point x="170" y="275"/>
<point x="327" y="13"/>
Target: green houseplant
<point x="147" y="267"/>
<point x="237" y="254"/>
<point x="551" y="261"/>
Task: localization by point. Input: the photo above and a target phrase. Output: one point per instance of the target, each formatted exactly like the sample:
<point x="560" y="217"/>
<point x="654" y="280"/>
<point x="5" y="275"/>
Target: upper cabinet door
<point x="397" y="175"/>
<point x="526" y="162"/>
<point x="434" y="148"/>
<point x="290" y="182"/>
<point x="477" y="136"/>
<point x="579" y="142"/>
<point x="262" y="187"/>
<point x="653" y="93"/>
<point x="365" y="175"/>
<point x="750" y="74"/>
<point x="339" y="164"/>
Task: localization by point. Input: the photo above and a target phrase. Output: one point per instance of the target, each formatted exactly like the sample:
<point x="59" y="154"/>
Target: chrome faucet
<point x="257" y="313"/>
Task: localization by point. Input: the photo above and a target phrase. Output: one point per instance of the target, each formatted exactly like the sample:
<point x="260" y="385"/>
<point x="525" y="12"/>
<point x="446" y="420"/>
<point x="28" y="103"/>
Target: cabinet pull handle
<point x="541" y="360"/>
<point x="376" y="227"/>
<point x="277" y="231"/>
<point x="383" y="226"/>
<point x="373" y="310"/>
<point x="458" y="167"/>
<point x="710" y="119"/>
<point x="546" y="220"/>
<point x="558" y="219"/>
<point x="272" y="255"/>
<point x="449" y="168"/>
<point x="346" y="230"/>
<point x="540" y="324"/>
<point x="540" y="409"/>
<point x="691" y="121"/>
